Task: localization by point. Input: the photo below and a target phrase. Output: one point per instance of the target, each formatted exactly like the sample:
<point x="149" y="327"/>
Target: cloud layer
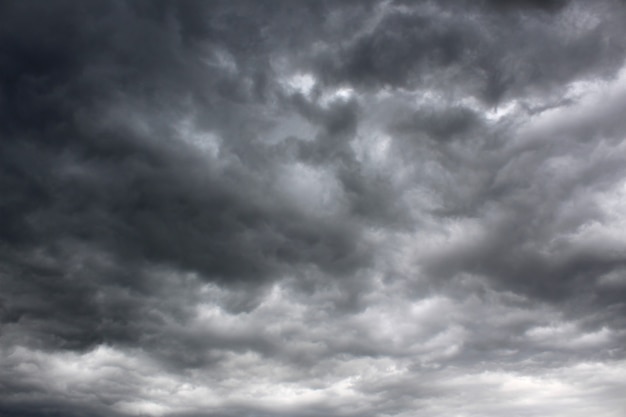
<point x="312" y="208"/>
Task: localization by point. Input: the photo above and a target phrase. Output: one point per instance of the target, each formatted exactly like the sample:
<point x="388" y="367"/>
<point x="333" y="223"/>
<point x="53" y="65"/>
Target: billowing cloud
<point x="312" y="208"/>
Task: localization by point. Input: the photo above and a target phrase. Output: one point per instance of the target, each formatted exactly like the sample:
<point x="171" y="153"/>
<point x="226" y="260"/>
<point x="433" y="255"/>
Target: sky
<point x="313" y="208"/>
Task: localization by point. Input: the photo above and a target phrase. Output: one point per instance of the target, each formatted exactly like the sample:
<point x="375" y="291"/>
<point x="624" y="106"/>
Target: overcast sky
<point x="313" y="208"/>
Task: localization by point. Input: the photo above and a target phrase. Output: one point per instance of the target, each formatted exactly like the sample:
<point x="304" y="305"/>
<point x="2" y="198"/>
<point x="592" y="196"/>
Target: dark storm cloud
<point x="139" y="181"/>
<point x="311" y="208"/>
<point x="492" y="56"/>
<point x="549" y="5"/>
<point x="99" y="195"/>
<point x="74" y="177"/>
<point x="448" y="124"/>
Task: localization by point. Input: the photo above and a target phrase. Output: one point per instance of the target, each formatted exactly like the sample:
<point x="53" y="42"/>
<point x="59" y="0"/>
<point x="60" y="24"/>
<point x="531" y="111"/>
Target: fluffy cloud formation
<point x="312" y="208"/>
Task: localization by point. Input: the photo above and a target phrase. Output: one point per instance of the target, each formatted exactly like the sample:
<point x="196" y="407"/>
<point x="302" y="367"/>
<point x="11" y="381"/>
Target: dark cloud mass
<point x="312" y="208"/>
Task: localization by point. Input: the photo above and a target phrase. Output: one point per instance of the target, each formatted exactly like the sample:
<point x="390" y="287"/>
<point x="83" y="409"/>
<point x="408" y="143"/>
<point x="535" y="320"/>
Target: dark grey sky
<point x="312" y="208"/>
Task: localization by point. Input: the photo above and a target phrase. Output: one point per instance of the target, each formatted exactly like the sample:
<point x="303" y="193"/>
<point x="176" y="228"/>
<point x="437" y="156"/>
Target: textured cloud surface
<point x="313" y="208"/>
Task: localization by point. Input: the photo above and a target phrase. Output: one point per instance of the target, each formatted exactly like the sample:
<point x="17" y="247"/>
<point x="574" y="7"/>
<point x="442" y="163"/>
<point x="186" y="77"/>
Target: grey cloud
<point x="549" y="5"/>
<point x="97" y="199"/>
<point x="449" y="124"/>
<point x="312" y="208"/>
<point x="491" y="56"/>
<point x="130" y="174"/>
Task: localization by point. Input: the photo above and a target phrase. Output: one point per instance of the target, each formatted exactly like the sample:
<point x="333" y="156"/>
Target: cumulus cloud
<point x="312" y="208"/>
